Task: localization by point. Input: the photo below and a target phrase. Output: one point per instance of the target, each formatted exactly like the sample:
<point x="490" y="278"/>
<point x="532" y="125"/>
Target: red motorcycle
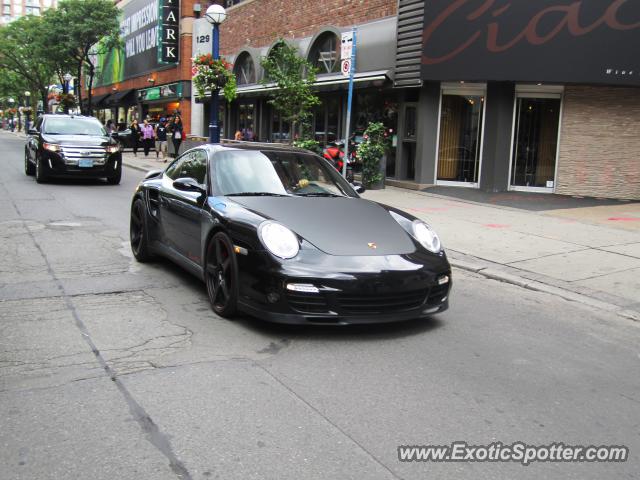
<point x="334" y="152"/>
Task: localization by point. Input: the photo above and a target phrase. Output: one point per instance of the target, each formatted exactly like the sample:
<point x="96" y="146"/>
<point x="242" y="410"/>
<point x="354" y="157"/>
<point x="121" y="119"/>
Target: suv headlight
<point x="278" y="239"/>
<point x="113" y="148"/>
<point x="426" y="236"/>
<point x="52" y="147"/>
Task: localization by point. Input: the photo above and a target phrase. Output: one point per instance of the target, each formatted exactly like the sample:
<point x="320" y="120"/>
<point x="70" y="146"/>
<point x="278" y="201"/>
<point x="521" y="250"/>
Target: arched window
<point x="324" y="53"/>
<point x="245" y="69"/>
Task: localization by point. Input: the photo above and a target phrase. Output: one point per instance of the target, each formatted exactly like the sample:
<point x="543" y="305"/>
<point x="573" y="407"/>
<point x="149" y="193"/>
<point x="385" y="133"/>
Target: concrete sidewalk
<point x="586" y="254"/>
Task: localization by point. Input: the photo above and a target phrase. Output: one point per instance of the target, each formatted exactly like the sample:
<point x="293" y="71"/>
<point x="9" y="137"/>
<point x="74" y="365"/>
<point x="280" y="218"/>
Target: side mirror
<point x="358" y="187"/>
<point x="188" y="185"/>
<point x="114" y="135"/>
<point x="32" y="131"/>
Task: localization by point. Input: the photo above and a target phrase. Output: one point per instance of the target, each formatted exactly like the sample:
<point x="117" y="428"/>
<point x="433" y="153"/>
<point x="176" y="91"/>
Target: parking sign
<point x="346" y="45"/>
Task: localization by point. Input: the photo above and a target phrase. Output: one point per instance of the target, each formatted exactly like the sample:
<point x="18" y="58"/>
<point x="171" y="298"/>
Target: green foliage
<point x="213" y="75"/>
<point x="308" y="144"/>
<point x="370" y="152"/>
<point x="293" y="76"/>
<point x="77" y="28"/>
<point x="24" y="60"/>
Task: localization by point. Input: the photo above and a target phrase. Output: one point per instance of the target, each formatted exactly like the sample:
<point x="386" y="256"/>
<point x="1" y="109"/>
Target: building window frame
<point x="535" y="91"/>
<point x="470" y="89"/>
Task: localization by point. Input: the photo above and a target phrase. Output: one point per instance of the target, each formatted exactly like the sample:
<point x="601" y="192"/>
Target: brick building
<point x="151" y="74"/>
<point x="535" y="96"/>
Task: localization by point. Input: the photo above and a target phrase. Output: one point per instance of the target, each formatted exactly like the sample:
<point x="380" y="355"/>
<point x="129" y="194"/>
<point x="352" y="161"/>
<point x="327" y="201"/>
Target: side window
<point x="173" y="171"/>
<point x="195" y="166"/>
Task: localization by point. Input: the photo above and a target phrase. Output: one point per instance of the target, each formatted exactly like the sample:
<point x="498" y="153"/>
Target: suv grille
<point x="72" y="153"/>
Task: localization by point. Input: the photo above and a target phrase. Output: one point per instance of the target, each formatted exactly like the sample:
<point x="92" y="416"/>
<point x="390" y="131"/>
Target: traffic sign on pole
<point x="346" y="46"/>
<point x="346" y="67"/>
<point x="352" y="68"/>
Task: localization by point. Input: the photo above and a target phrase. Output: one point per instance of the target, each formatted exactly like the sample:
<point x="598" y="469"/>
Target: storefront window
<point x="279" y="128"/>
<point x="460" y="138"/>
<point x="326" y="120"/>
<point x="536" y="142"/>
<point x="246" y="120"/>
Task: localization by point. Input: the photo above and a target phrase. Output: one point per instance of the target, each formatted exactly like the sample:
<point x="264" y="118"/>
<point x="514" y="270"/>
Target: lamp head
<point x="216" y="14"/>
<point x="67" y="77"/>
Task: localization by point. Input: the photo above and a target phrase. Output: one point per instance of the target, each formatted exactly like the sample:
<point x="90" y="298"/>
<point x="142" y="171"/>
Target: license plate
<point x="85" y="163"/>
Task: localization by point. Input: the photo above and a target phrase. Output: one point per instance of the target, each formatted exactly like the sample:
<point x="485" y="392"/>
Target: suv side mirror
<point x="32" y="131"/>
<point x="358" y="187"/>
<point x="187" y="184"/>
<point x="114" y="134"/>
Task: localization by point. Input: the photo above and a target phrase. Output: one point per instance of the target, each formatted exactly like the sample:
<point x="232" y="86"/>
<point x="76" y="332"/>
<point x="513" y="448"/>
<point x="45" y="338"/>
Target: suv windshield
<point x="73" y="126"/>
<point x="251" y="172"/>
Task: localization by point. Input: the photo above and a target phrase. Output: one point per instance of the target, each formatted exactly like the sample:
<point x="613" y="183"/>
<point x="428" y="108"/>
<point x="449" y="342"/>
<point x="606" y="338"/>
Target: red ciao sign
<point x="570" y="21"/>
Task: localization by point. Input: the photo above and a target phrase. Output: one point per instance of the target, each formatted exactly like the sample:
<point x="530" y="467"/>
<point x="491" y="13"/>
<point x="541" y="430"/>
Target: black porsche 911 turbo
<point x="275" y="232"/>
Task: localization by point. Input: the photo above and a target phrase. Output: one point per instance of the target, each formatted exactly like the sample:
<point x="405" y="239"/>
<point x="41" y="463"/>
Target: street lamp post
<point x="215" y="15"/>
<point x="27" y="104"/>
<point x="65" y="89"/>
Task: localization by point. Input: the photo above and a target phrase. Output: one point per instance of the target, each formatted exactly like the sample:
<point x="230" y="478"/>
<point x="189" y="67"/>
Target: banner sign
<point x="578" y="41"/>
<point x="150" y="33"/>
<point x="163" y="92"/>
<point x="168" y="31"/>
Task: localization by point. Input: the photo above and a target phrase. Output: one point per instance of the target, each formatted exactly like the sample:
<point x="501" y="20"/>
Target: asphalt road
<point x="110" y="369"/>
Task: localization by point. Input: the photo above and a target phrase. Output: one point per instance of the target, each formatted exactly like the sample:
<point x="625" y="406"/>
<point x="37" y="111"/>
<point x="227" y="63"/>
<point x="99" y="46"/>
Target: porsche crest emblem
<point x="372" y="245"/>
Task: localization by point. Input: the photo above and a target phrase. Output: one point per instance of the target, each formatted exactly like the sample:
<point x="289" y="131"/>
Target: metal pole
<point x="349" y="100"/>
<point x="214" y="131"/>
<point x="65" y="90"/>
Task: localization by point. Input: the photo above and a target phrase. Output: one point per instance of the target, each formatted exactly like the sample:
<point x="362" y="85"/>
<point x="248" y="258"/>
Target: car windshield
<point x="273" y="173"/>
<point x="73" y="126"/>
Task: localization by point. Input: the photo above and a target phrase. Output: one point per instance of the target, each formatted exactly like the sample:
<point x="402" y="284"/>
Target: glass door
<point x="460" y="140"/>
<point x="535" y="146"/>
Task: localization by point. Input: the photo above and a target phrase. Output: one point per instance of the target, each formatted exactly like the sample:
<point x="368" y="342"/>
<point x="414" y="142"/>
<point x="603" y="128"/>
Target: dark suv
<point x="71" y="145"/>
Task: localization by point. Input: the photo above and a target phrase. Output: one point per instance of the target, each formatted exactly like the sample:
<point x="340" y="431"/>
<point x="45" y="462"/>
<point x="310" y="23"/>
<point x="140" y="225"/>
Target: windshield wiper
<point x="318" y="194"/>
<point x="256" y="194"/>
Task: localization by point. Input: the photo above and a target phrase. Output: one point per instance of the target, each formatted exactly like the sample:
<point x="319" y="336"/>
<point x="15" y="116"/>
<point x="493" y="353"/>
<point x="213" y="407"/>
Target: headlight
<point x="113" y="148"/>
<point x="427" y="237"/>
<point x="278" y="239"/>
<point x="52" y="147"/>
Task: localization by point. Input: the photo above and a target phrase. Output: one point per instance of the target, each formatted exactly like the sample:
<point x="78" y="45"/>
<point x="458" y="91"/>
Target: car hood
<point x="337" y="226"/>
<point x="80" y="140"/>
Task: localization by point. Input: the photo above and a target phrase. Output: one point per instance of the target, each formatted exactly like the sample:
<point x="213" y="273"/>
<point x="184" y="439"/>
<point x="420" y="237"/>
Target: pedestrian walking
<point x="147" y="136"/>
<point x="177" y="132"/>
<point x="110" y="127"/>
<point x="238" y="136"/>
<point x="161" y="139"/>
<point x="136" y="134"/>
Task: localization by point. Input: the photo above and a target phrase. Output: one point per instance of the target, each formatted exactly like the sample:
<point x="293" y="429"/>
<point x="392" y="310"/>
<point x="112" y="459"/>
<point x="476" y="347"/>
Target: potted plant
<point x="210" y="75"/>
<point x="370" y="153"/>
<point x="66" y="100"/>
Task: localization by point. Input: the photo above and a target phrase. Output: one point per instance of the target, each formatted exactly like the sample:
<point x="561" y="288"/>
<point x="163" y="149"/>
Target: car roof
<point x="260" y="146"/>
<point x="70" y="116"/>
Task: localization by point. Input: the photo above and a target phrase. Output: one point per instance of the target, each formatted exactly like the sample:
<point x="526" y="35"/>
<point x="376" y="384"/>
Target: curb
<point x="495" y="274"/>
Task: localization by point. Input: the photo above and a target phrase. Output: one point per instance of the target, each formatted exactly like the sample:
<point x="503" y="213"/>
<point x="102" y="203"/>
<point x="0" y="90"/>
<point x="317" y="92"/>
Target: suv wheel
<point x="40" y="175"/>
<point x="29" y="169"/>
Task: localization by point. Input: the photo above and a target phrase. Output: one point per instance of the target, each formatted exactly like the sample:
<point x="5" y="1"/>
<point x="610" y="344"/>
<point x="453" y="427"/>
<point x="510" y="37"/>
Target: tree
<point x="78" y="30"/>
<point x="294" y="77"/>
<point x="22" y="53"/>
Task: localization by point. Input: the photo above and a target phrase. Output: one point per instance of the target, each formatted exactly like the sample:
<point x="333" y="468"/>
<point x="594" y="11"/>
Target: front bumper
<point x="350" y="290"/>
<point x="54" y="165"/>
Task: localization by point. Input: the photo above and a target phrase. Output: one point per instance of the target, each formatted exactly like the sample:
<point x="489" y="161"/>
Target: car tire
<point x="116" y="177"/>
<point x="138" y="234"/>
<point x="29" y="168"/>
<point x="221" y="275"/>
<point x="41" y="177"/>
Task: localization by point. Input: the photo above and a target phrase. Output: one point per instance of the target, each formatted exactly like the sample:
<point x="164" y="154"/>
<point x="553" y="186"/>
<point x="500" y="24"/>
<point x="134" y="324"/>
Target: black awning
<point x="125" y="97"/>
<point x="99" y="100"/>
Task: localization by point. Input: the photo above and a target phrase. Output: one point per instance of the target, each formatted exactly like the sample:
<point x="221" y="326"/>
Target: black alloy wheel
<point x="29" y="169"/>
<point x="221" y="275"/>
<point x="138" y="232"/>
